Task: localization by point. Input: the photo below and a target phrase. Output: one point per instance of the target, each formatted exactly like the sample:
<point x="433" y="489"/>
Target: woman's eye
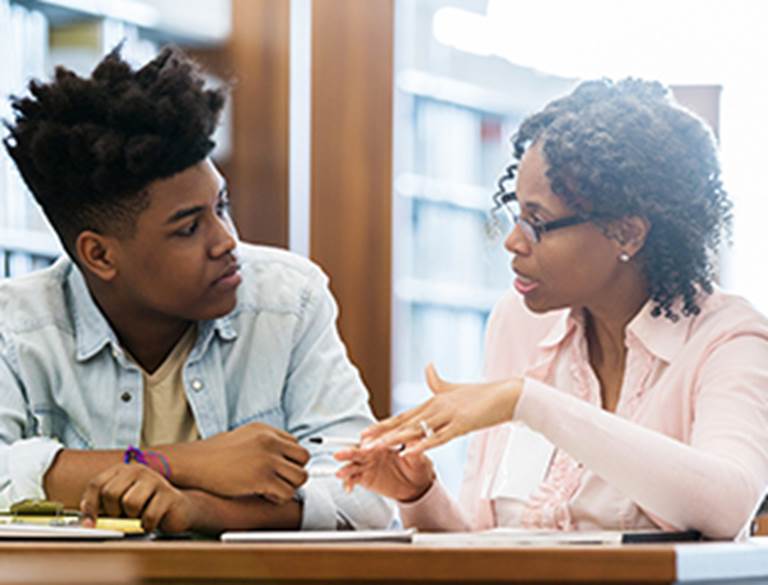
<point x="188" y="231"/>
<point x="535" y="219"/>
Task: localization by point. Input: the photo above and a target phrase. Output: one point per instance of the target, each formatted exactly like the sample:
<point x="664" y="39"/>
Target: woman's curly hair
<point x="627" y="149"/>
<point x="87" y="148"/>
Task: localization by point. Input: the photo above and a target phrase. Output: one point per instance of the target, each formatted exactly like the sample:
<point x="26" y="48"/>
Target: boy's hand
<point x="136" y="491"/>
<point x="255" y="459"/>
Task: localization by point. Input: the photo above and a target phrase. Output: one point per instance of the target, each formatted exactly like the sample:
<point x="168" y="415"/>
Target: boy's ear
<point x="96" y="253"/>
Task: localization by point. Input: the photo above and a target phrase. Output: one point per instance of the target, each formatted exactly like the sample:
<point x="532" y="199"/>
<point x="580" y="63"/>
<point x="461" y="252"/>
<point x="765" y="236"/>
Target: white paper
<point x="523" y="465"/>
<point x="517" y="537"/>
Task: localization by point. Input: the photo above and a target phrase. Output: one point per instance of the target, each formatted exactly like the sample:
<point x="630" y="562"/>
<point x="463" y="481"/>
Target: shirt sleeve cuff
<point x="319" y="508"/>
<point x="433" y="505"/>
<point x="28" y="462"/>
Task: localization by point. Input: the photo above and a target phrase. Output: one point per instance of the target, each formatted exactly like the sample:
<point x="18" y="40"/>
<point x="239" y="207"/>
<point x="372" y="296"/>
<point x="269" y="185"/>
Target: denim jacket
<point x="65" y="381"/>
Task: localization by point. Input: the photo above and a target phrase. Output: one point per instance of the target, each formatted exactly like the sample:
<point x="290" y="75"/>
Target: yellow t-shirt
<point x="167" y="415"/>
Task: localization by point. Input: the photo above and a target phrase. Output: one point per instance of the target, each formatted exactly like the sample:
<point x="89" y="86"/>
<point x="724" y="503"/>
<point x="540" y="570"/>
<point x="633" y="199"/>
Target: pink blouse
<point x="686" y="448"/>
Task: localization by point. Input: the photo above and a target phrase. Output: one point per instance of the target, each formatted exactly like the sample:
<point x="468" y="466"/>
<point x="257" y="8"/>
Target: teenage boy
<point x="160" y="341"/>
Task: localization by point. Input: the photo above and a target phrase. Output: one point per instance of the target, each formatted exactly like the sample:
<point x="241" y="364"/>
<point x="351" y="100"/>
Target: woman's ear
<point x="96" y="253"/>
<point x="630" y="234"/>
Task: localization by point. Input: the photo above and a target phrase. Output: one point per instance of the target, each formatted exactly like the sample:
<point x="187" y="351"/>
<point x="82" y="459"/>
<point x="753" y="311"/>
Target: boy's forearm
<point x="191" y="466"/>
<point x="215" y="514"/>
<point x="72" y="469"/>
<point x="186" y="466"/>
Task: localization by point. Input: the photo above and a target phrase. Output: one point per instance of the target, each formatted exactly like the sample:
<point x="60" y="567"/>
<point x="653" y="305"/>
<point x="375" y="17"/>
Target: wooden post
<point x="259" y="55"/>
<point x="351" y="187"/>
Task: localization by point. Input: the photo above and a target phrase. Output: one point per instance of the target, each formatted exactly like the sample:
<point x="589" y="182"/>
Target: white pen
<point x="322" y="470"/>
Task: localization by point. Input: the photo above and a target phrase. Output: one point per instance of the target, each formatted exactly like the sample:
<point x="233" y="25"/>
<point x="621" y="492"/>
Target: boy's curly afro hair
<point x="88" y="148"/>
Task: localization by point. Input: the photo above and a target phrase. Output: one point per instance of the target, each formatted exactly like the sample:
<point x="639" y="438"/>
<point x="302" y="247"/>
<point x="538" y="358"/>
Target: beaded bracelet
<point x="135" y="454"/>
<point x="166" y="467"/>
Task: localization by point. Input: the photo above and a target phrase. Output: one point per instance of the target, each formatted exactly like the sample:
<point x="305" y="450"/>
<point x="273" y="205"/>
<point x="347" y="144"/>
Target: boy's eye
<point x="189" y="230"/>
<point x="222" y="207"/>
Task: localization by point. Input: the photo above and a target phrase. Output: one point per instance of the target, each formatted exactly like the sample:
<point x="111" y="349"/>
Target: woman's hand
<point x="384" y="471"/>
<point x="454" y="410"/>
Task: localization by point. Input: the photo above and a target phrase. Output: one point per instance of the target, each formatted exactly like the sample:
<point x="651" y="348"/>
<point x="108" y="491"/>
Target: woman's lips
<point x="525" y="285"/>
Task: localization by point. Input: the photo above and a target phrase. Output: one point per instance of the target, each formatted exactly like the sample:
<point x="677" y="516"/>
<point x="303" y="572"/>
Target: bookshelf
<point x="35" y="35"/>
<point x="454" y="114"/>
<point x="196" y="23"/>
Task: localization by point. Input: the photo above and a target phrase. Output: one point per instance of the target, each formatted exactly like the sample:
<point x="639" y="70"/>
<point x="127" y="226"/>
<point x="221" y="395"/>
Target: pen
<point x="345" y="442"/>
<point x="323" y="470"/>
<point x="335" y="441"/>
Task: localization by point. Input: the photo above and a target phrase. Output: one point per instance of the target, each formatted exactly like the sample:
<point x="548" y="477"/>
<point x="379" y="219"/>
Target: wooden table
<point x="227" y="564"/>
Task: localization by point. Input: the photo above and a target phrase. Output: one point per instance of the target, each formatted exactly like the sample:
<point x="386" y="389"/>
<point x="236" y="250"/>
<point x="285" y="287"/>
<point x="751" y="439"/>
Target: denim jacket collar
<point x="93" y="332"/>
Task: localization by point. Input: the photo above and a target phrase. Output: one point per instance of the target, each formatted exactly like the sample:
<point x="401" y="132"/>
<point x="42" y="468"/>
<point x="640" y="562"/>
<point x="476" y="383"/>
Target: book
<point x="130" y="526"/>
<point x="23" y="531"/>
<point x="319" y="536"/>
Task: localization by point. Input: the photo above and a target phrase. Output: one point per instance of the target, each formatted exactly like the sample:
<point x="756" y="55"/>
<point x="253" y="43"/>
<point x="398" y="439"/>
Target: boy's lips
<point x="229" y="278"/>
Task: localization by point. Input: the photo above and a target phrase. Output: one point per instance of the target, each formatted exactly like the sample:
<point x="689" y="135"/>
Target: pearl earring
<point x="624" y="257"/>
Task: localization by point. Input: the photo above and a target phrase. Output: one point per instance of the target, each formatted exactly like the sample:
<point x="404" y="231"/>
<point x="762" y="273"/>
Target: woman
<point x="628" y="391"/>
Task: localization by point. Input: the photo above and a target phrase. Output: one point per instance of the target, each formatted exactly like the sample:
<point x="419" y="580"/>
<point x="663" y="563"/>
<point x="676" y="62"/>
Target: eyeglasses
<point x="506" y="214"/>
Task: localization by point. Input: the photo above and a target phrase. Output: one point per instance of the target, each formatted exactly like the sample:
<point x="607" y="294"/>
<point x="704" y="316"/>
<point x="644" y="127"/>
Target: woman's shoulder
<point x="726" y="313"/>
<point x="724" y="318"/>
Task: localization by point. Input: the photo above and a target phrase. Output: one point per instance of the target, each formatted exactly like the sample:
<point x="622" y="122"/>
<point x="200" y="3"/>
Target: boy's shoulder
<point x="276" y="279"/>
<point x="273" y="279"/>
<point x="35" y="299"/>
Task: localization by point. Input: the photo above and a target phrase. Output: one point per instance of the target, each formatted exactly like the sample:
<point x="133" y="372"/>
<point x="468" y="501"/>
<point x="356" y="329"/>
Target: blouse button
<point x="197" y="385"/>
<point x="125" y="397"/>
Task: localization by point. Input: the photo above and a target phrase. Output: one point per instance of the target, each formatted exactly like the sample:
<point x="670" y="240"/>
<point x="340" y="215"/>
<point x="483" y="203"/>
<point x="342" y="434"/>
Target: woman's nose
<point x="517" y="243"/>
